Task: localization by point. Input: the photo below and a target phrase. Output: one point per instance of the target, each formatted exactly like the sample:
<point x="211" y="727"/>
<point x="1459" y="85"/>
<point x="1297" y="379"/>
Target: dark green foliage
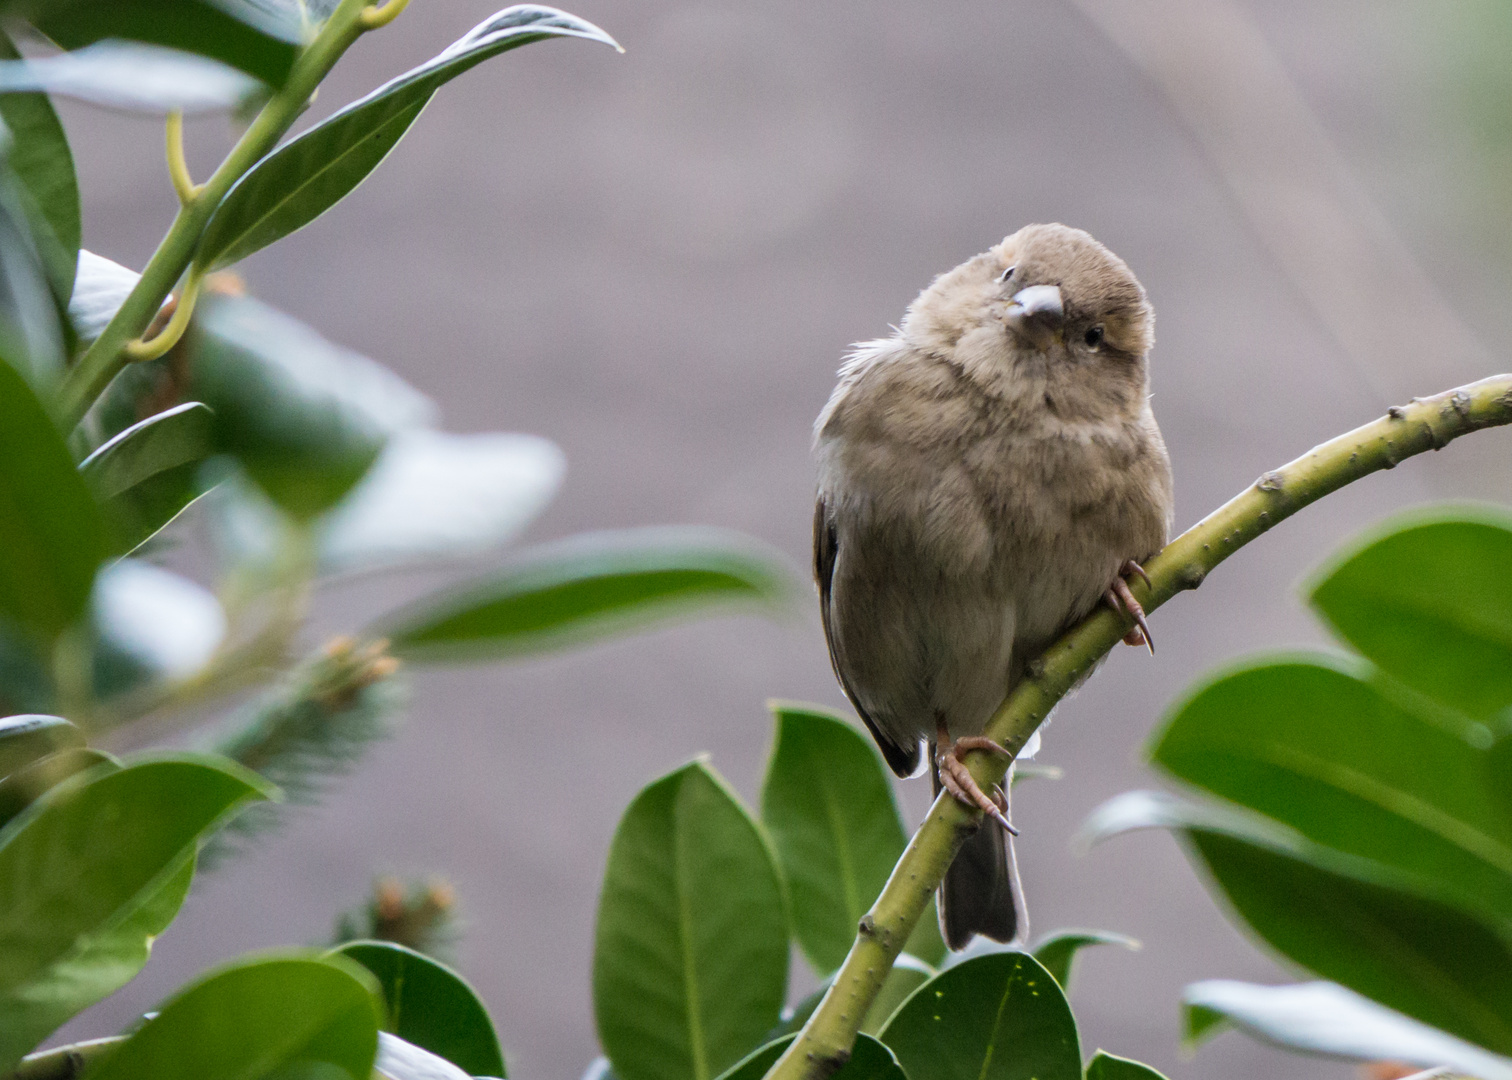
<point x="145" y="476"/>
<point x="1105" y="1066"/>
<point x="1057" y="952"/>
<point x="869" y="1060"/>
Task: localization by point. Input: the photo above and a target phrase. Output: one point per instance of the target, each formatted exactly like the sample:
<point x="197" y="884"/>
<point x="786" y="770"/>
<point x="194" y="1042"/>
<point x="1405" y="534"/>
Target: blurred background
<point x="656" y="260"/>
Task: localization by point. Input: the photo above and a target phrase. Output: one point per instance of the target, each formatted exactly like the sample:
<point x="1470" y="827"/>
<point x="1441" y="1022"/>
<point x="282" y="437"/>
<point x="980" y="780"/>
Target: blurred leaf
<point x="1104" y="1066"/>
<point x="164" y="626"/>
<point x="1303" y="740"/>
<point x="145" y="475"/>
<point x="401" y="1060"/>
<point x="997" y="1017"/>
<point x="94" y="852"/>
<point x="282" y="1016"/>
<point x="431" y="1006"/>
<point x="436" y="496"/>
<point x="584" y="588"/>
<point x="1428" y="598"/>
<point x="260" y="39"/>
<point x="50" y="529"/>
<point x="926" y="942"/>
<point x="1322" y="1018"/>
<point x="1056" y="952"/>
<point x="24" y="786"/>
<point x="305" y="418"/>
<point x="100" y="288"/>
<point x="1348" y="919"/>
<point x="907" y="975"/>
<point x="131" y="77"/>
<point x="691" y="952"/>
<point x="828" y="804"/>
<point x="869" y="1060"/>
<point x="24" y="739"/>
<point x="308" y="175"/>
<point x="43" y="165"/>
<point x="31" y="337"/>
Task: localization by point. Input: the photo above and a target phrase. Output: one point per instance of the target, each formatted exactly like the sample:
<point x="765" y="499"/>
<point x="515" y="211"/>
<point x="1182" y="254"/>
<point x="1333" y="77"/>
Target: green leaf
<point x="828" y="805"/>
<point x="24" y="786"/>
<point x="1307" y="742"/>
<point x="81" y="860"/>
<point x="400" y="1060"/>
<point x="50" y="529"/>
<point x="1428" y="598"/>
<point x="304" y="417"/>
<point x="126" y="76"/>
<point x="433" y="495"/>
<point x="145" y="475"/>
<point x="907" y="975"/>
<point x="1104" y="1066"/>
<point x="691" y="954"/>
<point x="869" y="1060"/>
<point x="24" y="739"/>
<point x="431" y="1006"/>
<point x="288" y="1015"/>
<point x="100" y="288"/>
<point x="308" y="175"/>
<point x="1056" y="952"/>
<point x="996" y="1017"/>
<point x="31" y="335"/>
<point x="1322" y="1018"/>
<point x="151" y="625"/>
<point x="584" y="588"/>
<point x="259" y="38"/>
<point x="43" y="165"/>
<point x="1348" y="919"/>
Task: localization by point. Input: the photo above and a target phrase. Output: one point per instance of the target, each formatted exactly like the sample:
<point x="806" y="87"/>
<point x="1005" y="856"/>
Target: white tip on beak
<point x="1036" y="314"/>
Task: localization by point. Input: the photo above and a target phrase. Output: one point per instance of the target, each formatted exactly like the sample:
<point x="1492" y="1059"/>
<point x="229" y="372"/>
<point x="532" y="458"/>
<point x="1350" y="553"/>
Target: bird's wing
<point x="903" y="760"/>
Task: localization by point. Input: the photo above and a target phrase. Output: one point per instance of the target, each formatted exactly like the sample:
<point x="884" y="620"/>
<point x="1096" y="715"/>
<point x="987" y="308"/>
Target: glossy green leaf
<point x="24" y="739"/>
<point x="1428" y="598"/>
<point x="1307" y="742"/>
<point x="869" y="1060"/>
<point x="145" y="475"/>
<point x="100" y="287"/>
<point x="691" y="955"/>
<point x="434" y="495"/>
<point x="1323" y="1018"/>
<point x="1104" y="1066"/>
<point x="282" y="1015"/>
<point x="828" y="804"/>
<point x="1345" y="918"/>
<point x="1057" y="952"/>
<point x="131" y="77"/>
<point x="261" y="39"/>
<point x="304" y="417"/>
<point x="400" y="1060"/>
<point x="51" y="530"/>
<point x="907" y="975"/>
<point x="79" y="861"/>
<point x="430" y="1005"/>
<point x="308" y="175"/>
<point x="584" y="588"/>
<point x="42" y="163"/>
<point x="997" y="1017"/>
<point x="24" y="786"/>
<point x="31" y="333"/>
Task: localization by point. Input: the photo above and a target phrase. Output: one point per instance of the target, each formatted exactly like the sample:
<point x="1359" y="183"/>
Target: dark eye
<point x="1094" y="337"/>
<point x="1007" y="274"/>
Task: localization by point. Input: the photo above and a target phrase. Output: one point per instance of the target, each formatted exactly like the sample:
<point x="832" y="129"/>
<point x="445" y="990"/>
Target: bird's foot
<point x="957" y="779"/>
<point x="1121" y="600"/>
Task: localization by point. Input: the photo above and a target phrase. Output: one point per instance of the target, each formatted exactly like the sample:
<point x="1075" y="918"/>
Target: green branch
<point x="1427" y="424"/>
<point x="104" y="359"/>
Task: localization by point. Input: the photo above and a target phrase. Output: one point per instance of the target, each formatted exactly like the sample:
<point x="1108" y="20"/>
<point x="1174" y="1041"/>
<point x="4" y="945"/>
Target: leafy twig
<point x="1426" y="424"/>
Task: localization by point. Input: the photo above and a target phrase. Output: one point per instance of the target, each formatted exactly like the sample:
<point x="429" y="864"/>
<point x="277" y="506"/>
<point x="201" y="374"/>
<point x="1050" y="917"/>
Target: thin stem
<point x="105" y="358"/>
<point x="1426" y="424"/>
<point x="139" y="350"/>
<point x="374" y="16"/>
<point x="178" y="166"/>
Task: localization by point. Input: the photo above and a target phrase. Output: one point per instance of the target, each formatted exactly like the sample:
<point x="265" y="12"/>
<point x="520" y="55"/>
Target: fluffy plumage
<point x="984" y="474"/>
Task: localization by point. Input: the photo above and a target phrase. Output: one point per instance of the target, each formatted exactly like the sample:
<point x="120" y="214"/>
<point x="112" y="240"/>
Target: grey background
<point x="656" y="260"/>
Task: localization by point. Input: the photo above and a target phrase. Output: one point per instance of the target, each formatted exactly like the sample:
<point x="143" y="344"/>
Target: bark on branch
<point x="1426" y="424"/>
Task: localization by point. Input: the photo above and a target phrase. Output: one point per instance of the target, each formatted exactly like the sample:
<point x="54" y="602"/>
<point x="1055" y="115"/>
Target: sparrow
<point x="986" y="476"/>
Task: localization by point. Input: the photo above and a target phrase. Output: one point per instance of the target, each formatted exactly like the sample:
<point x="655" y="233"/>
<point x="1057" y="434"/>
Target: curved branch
<point x="1426" y="424"/>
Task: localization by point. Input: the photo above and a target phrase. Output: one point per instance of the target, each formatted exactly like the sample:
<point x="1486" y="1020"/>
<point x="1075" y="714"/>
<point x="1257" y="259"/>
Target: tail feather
<point x="981" y="893"/>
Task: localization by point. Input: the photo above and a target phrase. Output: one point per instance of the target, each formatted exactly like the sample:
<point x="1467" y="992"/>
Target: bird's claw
<point x="1121" y="600"/>
<point x="957" y="779"/>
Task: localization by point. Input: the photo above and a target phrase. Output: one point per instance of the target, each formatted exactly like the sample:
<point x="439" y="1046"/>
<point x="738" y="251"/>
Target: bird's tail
<point x="981" y="893"/>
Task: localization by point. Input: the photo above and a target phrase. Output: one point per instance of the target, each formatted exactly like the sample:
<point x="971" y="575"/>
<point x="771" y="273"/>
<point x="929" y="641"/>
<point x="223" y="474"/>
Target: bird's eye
<point x="1094" y="337"/>
<point x="1007" y="274"/>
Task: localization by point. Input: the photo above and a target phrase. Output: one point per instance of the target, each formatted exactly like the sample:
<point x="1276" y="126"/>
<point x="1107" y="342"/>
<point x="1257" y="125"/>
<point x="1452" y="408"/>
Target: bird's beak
<point x="1037" y="316"/>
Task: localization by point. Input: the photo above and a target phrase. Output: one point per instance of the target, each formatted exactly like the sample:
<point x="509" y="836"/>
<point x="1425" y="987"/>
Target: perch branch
<point x="824" y="1044"/>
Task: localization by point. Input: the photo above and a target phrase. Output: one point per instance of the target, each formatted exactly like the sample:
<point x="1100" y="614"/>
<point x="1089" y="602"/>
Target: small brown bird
<point x="987" y="475"/>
